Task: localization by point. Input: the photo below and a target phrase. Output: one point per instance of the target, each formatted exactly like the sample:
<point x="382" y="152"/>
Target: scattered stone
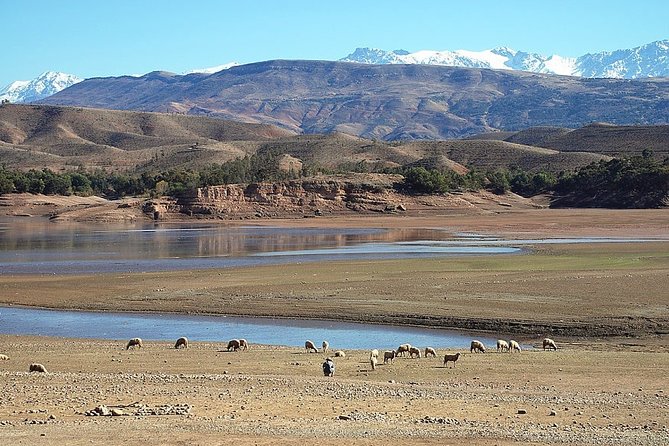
<point x="522" y="411"/>
<point x="344" y="417"/>
<point x="552" y="414"/>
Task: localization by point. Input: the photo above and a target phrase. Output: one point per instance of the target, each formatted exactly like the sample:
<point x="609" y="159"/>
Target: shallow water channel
<point x="168" y="327"/>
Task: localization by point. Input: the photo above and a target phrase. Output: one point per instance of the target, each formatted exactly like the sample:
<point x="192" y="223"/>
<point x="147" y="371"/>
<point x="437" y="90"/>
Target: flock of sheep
<point x="389" y="356"/>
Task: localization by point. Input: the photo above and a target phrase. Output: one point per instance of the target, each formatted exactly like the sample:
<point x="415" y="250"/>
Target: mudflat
<point x="605" y="304"/>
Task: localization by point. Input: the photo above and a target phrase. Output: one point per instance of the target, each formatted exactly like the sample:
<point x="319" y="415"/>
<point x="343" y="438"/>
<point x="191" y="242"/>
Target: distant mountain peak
<point x="44" y="85"/>
<point x="212" y="70"/>
<point x="649" y="60"/>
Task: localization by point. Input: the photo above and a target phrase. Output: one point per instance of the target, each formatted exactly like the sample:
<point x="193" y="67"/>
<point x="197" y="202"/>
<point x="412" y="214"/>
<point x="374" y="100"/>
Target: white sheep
<point x="402" y="349"/>
<point x="514" y="346"/>
<point x="477" y="346"/>
<point x="233" y="344"/>
<point x="339" y="354"/>
<point x="373" y="361"/>
<point x="134" y="342"/>
<point x="374" y="354"/>
<point x="429" y="351"/>
<point x="243" y="344"/>
<point x="549" y="343"/>
<point x="451" y="357"/>
<point x="4" y="358"/>
<point x="181" y="343"/>
<point x="37" y="368"/>
<point x="309" y="346"/>
<point x="389" y="356"/>
<point x="502" y="345"/>
<point x="414" y="351"/>
<point x="326" y="346"/>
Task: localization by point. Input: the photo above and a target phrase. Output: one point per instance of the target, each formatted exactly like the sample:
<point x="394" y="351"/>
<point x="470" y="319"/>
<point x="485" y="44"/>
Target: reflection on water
<point x="168" y="327"/>
<point x="29" y="246"/>
<point x="42" y="248"/>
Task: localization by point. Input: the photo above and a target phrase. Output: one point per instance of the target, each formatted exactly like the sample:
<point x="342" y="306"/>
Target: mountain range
<point x="650" y="60"/>
<point x="388" y="102"/>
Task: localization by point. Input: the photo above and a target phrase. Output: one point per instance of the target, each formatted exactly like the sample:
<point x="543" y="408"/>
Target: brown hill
<point x="35" y="136"/>
<point x="602" y="138"/>
<point x="65" y="138"/>
<point x="391" y="102"/>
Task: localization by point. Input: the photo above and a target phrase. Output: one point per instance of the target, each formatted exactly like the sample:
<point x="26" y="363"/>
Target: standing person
<point x="328" y="367"/>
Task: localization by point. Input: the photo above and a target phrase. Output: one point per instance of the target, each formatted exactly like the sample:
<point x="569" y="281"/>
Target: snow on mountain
<point x="44" y="85"/>
<point x="212" y="70"/>
<point x="650" y="60"/>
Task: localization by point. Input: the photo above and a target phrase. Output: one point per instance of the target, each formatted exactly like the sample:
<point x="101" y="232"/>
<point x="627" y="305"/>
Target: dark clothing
<point x="328" y="368"/>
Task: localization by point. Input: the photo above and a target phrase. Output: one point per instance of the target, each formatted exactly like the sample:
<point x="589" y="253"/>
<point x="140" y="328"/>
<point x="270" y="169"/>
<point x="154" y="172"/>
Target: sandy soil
<point x="269" y="395"/>
<point x="605" y="304"/>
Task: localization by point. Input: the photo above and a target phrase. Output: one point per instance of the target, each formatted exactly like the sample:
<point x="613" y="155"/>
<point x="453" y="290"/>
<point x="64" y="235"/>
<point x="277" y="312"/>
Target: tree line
<point x="634" y="182"/>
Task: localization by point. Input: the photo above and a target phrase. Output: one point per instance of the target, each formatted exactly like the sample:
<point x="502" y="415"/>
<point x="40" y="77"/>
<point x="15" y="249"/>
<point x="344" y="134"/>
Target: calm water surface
<point x="38" y="247"/>
<point x="291" y="332"/>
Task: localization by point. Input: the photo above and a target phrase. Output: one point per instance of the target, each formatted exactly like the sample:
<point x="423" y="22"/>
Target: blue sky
<point x="113" y="37"/>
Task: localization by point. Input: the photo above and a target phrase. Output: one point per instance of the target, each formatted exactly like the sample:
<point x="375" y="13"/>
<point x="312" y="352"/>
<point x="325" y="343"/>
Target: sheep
<point x="513" y="345"/>
<point x="37" y="368"/>
<point x="389" y="356"/>
<point x="326" y="346"/>
<point x="402" y="349"/>
<point x="477" y="346"/>
<point x="243" y="344"/>
<point x="429" y="351"/>
<point x="181" y="343"/>
<point x="310" y="347"/>
<point x="373" y="361"/>
<point x="339" y="354"/>
<point x="233" y="344"/>
<point x="4" y="358"/>
<point x="414" y="351"/>
<point x="374" y="354"/>
<point x="134" y="342"/>
<point x="549" y="343"/>
<point x="502" y="345"/>
<point x="449" y="357"/>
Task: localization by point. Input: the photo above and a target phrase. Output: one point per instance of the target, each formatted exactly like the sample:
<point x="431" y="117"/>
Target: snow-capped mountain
<point x="44" y="85"/>
<point x="650" y="60"/>
<point x="212" y="70"/>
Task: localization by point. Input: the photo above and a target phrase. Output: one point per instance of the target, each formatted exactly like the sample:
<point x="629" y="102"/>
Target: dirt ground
<point x="605" y="304"/>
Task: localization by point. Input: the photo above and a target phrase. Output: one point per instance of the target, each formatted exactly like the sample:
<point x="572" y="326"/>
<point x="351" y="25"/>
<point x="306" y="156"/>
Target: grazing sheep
<point x="326" y="346"/>
<point x="134" y="342"/>
<point x="243" y="344"/>
<point x="373" y="361"/>
<point x="181" y="343"/>
<point x="310" y="347"/>
<point x="414" y="351"/>
<point x="4" y="358"/>
<point x="477" y="346"/>
<point x="233" y="344"/>
<point x="513" y="345"/>
<point x="449" y="357"/>
<point x="402" y="349"/>
<point x="429" y="351"/>
<point x="374" y="354"/>
<point x="389" y="356"/>
<point x="37" y="368"/>
<point x="339" y="354"/>
<point x="502" y="345"/>
<point x="549" y="343"/>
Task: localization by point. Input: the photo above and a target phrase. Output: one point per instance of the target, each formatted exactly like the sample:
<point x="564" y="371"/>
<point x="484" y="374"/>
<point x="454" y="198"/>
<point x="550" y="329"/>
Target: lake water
<point x="169" y="327"/>
<point x="29" y="246"/>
